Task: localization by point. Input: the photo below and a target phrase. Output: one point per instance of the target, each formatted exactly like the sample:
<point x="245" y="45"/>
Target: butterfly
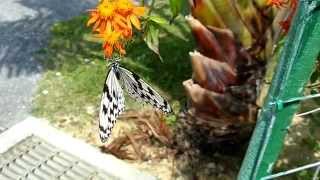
<point x="113" y="101"/>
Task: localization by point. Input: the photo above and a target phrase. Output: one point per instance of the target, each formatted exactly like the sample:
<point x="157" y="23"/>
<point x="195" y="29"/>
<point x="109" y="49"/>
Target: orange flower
<point x="277" y="3"/>
<point x="131" y="12"/>
<point x="286" y="23"/>
<point x="113" y="20"/>
<point x="105" y="16"/>
<point x="111" y="42"/>
<point x="117" y="15"/>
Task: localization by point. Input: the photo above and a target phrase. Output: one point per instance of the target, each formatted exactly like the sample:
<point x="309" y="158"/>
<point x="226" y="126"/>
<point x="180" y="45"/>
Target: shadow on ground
<point x="24" y="28"/>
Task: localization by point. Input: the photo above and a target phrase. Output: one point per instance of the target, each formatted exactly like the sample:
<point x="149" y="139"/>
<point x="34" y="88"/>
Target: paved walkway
<point x="24" y="29"/>
<point x="32" y="149"/>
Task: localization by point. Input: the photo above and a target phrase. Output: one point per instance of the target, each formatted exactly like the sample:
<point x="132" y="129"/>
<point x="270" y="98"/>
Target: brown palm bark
<point x="227" y="74"/>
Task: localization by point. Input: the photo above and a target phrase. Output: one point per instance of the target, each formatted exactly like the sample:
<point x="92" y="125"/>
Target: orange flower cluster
<point x="112" y="20"/>
<point x="292" y="4"/>
<point x="277" y="3"/>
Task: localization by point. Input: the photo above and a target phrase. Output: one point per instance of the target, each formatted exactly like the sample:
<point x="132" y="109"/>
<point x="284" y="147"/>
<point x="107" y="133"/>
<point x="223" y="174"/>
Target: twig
<point x="173" y="166"/>
<point x="151" y="7"/>
<point x="314" y="85"/>
<point x="128" y="117"/>
<point x="133" y="116"/>
<point x="135" y="146"/>
<point x="163" y="140"/>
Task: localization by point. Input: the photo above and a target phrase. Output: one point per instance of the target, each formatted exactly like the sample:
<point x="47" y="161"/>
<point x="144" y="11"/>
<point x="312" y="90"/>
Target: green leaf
<point x="152" y="39"/>
<point x="176" y="6"/>
<point x="171" y="120"/>
<point x="158" y="19"/>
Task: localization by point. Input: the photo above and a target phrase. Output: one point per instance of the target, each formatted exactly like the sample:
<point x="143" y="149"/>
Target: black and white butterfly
<point x="112" y="101"/>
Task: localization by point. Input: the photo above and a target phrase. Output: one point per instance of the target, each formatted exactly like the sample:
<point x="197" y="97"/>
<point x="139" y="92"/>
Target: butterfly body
<point x="112" y="101"/>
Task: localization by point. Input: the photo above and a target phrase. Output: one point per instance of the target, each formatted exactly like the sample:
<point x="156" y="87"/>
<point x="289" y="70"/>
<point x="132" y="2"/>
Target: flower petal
<point x="109" y="27"/>
<point x="120" y="48"/>
<point x="135" y="21"/>
<point x="96" y="25"/>
<point x="129" y="26"/>
<point x="102" y="26"/>
<point x="93" y="19"/>
<point x="108" y="50"/>
<point x="139" y="11"/>
<point x="120" y="21"/>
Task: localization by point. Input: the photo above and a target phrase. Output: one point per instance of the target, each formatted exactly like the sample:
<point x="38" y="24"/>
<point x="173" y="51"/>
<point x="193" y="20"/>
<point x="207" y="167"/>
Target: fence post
<point x="295" y="66"/>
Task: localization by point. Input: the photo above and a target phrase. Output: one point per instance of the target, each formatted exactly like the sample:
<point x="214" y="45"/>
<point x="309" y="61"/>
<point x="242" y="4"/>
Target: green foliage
<point x="175" y="6"/>
<point x="171" y="120"/>
<point x="158" y="20"/>
<point x="152" y="38"/>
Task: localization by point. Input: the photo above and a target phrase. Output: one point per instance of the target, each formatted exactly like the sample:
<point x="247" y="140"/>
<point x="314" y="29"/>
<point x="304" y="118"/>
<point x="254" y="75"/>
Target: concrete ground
<point x="32" y="149"/>
<point x="24" y="29"/>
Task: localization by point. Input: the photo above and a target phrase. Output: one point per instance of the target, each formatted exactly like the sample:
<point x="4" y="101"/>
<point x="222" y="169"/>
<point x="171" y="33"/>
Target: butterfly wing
<point x="140" y="90"/>
<point x="112" y="104"/>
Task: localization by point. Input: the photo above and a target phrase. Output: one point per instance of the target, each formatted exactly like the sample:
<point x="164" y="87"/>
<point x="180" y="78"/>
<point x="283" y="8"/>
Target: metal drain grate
<point x="2" y="129"/>
<point x="34" y="158"/>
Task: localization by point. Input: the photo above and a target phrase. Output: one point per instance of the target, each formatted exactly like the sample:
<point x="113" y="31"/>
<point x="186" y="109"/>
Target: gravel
<point x="24" y="29"/>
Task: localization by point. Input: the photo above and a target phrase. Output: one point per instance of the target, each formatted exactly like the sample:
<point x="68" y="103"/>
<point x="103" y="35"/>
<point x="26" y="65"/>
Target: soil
<point x="166" y="161"/>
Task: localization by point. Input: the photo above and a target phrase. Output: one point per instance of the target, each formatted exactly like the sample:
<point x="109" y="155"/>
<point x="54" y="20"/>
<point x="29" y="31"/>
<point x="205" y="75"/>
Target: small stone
<point x="45" y="92"/>
<point x="299" y="134"/>
<point x="58" y="74"/>
<point x="90" y="110"/>
<point x="211" y="166"/>
<point x="86" y="60"/>
<point x="220" y="168"/>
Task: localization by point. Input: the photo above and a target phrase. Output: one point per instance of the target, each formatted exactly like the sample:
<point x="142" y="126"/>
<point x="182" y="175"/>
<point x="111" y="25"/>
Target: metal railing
<point x="294" y="69"/>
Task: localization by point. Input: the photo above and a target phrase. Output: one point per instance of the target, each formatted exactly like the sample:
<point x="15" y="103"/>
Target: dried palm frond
<point x="149" y="126"/>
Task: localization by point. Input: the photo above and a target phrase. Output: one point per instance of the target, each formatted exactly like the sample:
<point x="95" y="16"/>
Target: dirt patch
<point x="144" y="140"/>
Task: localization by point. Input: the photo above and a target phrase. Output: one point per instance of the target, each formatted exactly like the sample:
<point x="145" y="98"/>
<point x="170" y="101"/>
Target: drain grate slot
<point x="34" y="158"/>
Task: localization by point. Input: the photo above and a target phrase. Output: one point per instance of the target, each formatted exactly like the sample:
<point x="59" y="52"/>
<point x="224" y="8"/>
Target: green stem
<point x="151" y="7"/>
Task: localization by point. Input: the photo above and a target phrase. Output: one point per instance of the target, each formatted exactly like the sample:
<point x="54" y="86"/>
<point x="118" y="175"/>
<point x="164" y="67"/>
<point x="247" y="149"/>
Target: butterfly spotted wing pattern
<point x="112" y="104"/>
<point x="141" y="91"/>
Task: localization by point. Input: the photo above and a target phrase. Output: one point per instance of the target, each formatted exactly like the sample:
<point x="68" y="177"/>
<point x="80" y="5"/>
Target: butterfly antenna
<point x="112" y="60"/>
<point x="117" y="59"/>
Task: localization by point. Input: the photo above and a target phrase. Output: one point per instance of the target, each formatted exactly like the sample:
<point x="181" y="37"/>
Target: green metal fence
<point x="295" y="66"/>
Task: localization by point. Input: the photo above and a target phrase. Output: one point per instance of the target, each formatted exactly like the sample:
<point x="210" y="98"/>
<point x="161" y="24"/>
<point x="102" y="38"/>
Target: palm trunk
<point x="228" y="69"/>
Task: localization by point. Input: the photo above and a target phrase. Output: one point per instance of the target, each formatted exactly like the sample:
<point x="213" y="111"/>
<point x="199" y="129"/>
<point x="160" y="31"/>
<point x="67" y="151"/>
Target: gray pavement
<point x="32" y="149"/>
<point x="24" y="29"/>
